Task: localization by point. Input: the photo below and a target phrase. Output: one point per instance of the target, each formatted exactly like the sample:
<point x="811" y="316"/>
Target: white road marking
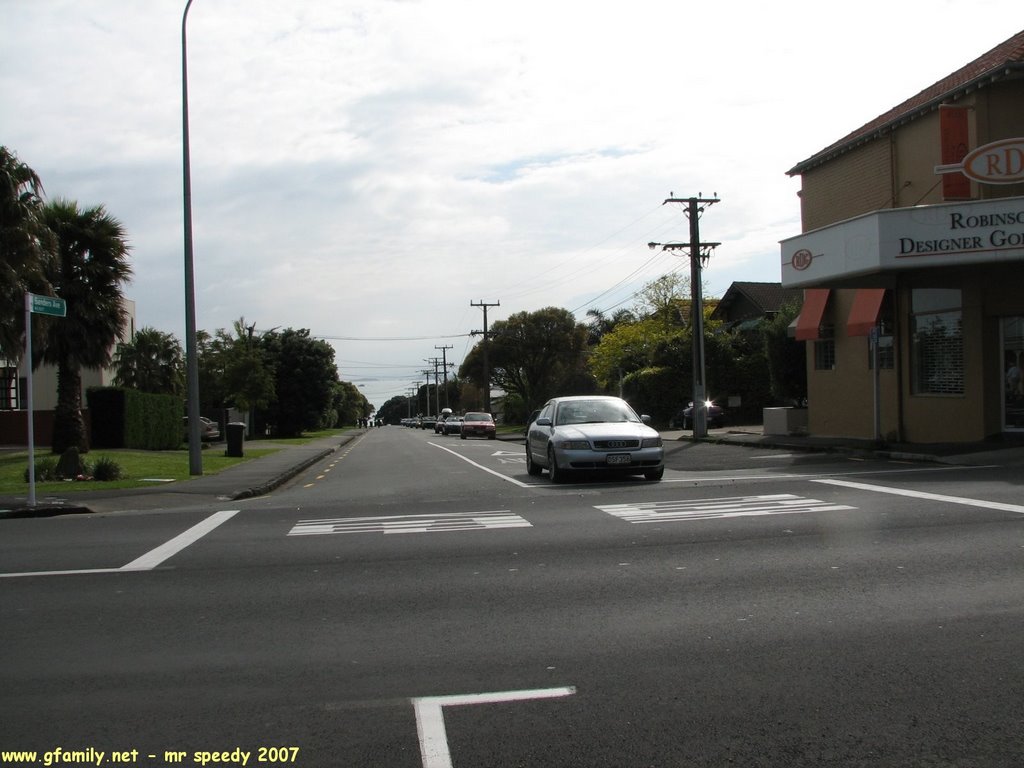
<point x="430" y="717"/>
<point x="154" y="557"/>
<point x="922" y="495"/>
<point x="445" y="521"/>
<point x="481" y="466"/>
<point x="732" y="506"/>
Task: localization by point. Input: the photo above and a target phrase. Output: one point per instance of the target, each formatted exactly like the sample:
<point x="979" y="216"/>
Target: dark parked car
<point x="684" y="419"/>
<point x="451" y="426"/>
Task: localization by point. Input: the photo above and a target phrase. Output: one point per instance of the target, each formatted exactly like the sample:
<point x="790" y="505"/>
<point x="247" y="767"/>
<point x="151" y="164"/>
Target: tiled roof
<point x="1004" y="60"/>
<point x="769" y="297"/>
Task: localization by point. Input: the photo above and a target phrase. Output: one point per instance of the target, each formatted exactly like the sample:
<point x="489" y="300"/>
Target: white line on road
<point x="733" y="506"/>
<point x="481" y="466"/>
<point x="922" y="495"/>
<point x="430" y="717"/>
<point x="154" y="557"/>
<point x="427" y="523"/>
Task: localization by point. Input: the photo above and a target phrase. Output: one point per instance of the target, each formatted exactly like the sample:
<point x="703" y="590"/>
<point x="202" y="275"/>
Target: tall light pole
<point x="195" y="448"/>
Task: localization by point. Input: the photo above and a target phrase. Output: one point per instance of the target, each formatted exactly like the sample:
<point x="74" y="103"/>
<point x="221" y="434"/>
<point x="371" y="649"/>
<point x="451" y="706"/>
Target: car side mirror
<point x="543" y="422"/>
<point x="645" y="419"/>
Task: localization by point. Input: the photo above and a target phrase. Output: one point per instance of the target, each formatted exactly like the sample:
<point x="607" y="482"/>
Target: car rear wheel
<point x="531" y="466"/>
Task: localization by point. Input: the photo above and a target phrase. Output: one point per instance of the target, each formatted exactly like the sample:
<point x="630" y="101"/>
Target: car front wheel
<point x="556" y="473"/>
<point x="655" y="474"/>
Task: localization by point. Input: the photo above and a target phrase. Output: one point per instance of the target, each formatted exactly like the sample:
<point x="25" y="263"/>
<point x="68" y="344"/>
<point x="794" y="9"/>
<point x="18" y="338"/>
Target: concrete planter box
<point x="785" y="421"/>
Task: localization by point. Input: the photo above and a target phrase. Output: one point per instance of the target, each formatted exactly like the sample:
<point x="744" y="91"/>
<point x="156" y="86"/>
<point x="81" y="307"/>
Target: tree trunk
<point x="68" y="424"/>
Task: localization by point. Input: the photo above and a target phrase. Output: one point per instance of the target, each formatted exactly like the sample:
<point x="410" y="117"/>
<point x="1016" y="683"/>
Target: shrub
<point x="46" y="469"/>
<point x="106" y="469"/>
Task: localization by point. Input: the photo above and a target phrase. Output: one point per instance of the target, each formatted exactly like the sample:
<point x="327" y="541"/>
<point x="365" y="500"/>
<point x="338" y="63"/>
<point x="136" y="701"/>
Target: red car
<point x="478" y="424"/>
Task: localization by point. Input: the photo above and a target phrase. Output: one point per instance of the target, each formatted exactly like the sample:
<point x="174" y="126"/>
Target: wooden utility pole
<point x="487" y="370"/>
<point x="444" y="366"/>
<point x="699" y="254"/>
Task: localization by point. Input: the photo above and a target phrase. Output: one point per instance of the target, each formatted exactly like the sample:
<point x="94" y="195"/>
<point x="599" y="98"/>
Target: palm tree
<point x="152" y="361"/>
<point x="88" y="269"/>
<point x="25" y="245"/>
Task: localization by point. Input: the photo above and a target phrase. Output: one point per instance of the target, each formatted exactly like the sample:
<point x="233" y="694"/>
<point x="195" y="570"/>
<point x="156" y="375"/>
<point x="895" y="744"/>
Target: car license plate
<point x="620" y="458"/>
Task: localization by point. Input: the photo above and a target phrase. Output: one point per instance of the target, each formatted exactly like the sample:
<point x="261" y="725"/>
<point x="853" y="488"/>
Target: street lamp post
<point x="195" y="456"/>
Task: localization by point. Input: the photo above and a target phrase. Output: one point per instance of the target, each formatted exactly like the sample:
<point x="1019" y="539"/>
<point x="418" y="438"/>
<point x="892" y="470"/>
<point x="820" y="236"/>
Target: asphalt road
<point x="417" y="600"/>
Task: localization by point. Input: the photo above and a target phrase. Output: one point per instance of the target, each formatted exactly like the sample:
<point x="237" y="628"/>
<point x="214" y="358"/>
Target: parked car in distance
<point x="684" y="419"/>
<point x="592" y="433"/>
<point x="451" y="426"/>
<point x="209" y="431"/>
<point x="427" y="422"/>
<point x="478" y="424"/>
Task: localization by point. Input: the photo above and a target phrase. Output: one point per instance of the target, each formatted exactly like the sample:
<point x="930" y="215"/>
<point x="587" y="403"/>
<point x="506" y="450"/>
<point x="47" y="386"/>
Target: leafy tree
<point x="88" y="270"/>
<point x="248" y="381"/>
<point x="25" y="246"/>
<point x="786" y="357"/>
<point x="534" y="355"/>
<point x="304" y="379"/>
<point x="153" y="361"/>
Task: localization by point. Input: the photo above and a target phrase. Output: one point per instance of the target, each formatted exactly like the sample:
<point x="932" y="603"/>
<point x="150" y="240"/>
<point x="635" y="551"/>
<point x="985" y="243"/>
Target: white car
<point x="592" y="433"/>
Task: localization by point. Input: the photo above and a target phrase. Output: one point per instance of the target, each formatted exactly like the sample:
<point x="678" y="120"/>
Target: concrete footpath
<point x="262" y="475"/>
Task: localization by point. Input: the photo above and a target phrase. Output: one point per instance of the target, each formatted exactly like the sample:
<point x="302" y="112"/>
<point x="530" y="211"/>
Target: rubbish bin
<point x="236" y="434"/>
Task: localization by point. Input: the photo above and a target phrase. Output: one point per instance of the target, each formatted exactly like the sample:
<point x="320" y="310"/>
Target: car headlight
<point x="651" y="442"/>
<point x="573" y="445"/>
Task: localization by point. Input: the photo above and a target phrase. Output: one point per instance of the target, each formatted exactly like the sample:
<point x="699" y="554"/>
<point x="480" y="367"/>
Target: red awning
<point x="811" y="313"/>
<point x="864" y="315"/>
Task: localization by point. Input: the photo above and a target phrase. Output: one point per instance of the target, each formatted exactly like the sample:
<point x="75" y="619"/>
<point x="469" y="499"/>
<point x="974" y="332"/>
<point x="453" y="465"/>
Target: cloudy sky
<point x="367" y="169"/>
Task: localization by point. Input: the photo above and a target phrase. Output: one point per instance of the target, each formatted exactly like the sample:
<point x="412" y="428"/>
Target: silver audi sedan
<point x="592" y="433"/>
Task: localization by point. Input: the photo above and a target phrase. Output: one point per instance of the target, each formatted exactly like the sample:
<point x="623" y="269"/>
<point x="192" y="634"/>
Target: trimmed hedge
<point x="127" y="418"/>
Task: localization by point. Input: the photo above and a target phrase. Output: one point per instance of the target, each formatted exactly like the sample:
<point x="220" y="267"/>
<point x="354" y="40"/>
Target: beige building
<point x="912" y="264"/>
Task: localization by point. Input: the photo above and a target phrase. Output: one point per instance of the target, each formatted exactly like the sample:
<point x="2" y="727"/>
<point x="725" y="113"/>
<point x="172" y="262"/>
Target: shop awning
<point x="807" y="325"/>
<point x="864" y="315"/>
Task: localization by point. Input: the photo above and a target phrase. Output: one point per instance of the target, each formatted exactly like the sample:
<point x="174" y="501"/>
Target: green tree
<point x="786" y="358"/>
<point x="534" y="355"/>
<point x="248" y="377"/>
<point x="88" y="270"/>
<point x="25" y="246"/>
<point x="304" y="379"/>
<point x="152" y="361"/>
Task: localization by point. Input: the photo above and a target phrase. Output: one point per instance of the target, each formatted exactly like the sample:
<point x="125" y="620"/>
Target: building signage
<point x="902" y="238"/>
<point x="1001" y="162"/>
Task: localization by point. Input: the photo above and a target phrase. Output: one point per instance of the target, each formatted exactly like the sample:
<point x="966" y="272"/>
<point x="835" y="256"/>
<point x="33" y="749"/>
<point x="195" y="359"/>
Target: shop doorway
<point x="1013" y="373"/>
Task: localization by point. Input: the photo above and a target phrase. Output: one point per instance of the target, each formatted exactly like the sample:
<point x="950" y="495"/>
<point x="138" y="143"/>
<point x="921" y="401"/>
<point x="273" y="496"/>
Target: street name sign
<point x="47" y="305"/>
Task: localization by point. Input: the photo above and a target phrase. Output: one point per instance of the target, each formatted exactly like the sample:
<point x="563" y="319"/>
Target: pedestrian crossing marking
<point x="443" y="522"/>
<point x="710" y="509"/>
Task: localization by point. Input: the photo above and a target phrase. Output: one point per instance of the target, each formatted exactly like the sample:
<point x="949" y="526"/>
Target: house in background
<point x="14" y="402"/>
<point x="744" y="305"/>
<point x="912" y="261"/>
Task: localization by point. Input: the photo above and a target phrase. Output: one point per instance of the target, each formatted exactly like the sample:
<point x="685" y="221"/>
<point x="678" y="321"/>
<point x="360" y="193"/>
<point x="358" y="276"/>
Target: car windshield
<point x="593" y="412"/>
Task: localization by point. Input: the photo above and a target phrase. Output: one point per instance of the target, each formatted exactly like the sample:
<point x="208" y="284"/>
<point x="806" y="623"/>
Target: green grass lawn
<point x="141" y="469"/>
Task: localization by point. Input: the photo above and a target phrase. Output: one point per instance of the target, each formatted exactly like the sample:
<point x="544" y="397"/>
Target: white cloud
<point x="368" y="168"/>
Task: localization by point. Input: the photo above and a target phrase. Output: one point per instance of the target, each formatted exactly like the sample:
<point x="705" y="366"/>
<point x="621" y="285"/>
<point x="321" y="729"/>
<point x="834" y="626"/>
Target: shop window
<point x="936" y="344"/>
<point x="825" y="350"/>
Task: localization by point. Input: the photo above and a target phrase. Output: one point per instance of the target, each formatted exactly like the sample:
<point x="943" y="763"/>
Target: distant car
<point x="428" y="422"/>
<point x="592" y="433"/>
<point x="684" y="419"/>
<point x="451" y="426"/>
<point x="478" y="424"/>
<point x="208" y="429"/>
